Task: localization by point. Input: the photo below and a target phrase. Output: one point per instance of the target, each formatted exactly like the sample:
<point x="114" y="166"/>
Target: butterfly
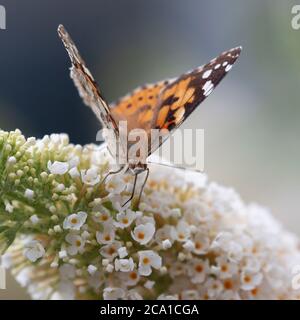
<point x="161" y="107"/>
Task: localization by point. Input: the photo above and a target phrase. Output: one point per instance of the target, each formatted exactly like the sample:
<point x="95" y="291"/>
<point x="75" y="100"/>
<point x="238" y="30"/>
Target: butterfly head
<point x="135" y="167"/>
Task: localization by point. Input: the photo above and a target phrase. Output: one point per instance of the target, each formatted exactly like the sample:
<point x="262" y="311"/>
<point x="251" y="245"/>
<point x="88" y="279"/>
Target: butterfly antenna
<point x="170" y="165"/>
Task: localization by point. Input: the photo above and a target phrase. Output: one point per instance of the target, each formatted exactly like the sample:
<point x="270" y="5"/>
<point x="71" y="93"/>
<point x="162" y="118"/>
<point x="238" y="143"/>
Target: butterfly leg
<point x="133" y="190"/>
<point x="143" y="186"/>
<point x="110" y="174"/>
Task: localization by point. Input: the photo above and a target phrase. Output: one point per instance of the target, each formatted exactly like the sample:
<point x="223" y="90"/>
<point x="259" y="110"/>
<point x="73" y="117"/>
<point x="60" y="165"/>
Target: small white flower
<point x="214" y="287"/>
<point x="117" y="201"/>
<point x="201" y="244"/>
<point x="110" y="251"/>
<point x="62" y="254"/>
<point x="109" y="268"/>
<point x="74" y="162"/>
<point x="6" y="260"/>
<point x="251" y="264"/>
<point x="29" y="194"/>
<point x="111" y="293"/>
<point x="90" y="176"/>
<point x="75" y="221"/>
<point x="34" y="250"/>
<point x="85" y="235"/>
<point x="166" y="244"/>
<point x="198" y="270"/>
<point x="122" y="252"/>
<point x="167" y="232"/>
<point x="225" y="268"/>
<point x="189" y="245"/>
<point x="105" y="262"/>
<point x="9" y="207"/>
<point x="250" y="280"/>
<point x="60" y="187"/>
<point x="129" y="278"/>
<point x="34" y="219"/>
<point x="91" y="269"/>
<point x="143" y="233"/>
<point x="142" y="219"/>
<point x="11" y="160"/>
<point x="148" y="259"/>
<point x="74" y="173"/>
<point x="76" y="242"/>
<point x="124" y="265"/>
<point x="107" y="235"/>
<point x="183" y="231"/>
<point x="124" y="219"/>
<point x="58" y="167"/>
<point x="226" y="242"/>
<point x="103" y="216"/>
<point x="115" y="185"/>
<point x="177" y="269"/>
<point x="149" y="284"/>
<point x="57" y="228"/>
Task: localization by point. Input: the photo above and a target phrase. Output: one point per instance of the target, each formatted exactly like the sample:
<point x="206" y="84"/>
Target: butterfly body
<point x="154" y="109"/>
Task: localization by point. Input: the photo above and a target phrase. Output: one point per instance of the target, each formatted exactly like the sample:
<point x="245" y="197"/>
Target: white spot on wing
<point x="206" y="74"/>
<point x="228" y="67"/>
<point x="208" y="88"/>
<point x="217" y="66"/>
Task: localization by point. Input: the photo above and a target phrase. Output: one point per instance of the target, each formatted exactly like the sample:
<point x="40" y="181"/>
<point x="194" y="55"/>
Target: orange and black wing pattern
<point x="139" y="107"/>
<point x="180" y="98"/>
<point x="166" y="104"/>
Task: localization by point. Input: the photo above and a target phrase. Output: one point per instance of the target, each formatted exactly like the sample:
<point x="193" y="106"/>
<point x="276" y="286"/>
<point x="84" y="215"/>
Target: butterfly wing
<point x="181" y="97"/>
<point x="139" y="107"/>
<point x="87" y="87"/>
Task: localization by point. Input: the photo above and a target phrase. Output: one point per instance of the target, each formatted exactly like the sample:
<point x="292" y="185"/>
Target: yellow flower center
<point x="141" y="235"/>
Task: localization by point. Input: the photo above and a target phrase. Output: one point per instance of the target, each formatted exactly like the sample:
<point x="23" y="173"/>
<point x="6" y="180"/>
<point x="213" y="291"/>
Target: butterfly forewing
<point x="88" y="89"/>
<point x="180" y="98"/>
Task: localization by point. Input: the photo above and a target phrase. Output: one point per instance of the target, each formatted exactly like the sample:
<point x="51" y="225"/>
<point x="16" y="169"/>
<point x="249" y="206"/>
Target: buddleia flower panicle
<point x="64" y="235"/>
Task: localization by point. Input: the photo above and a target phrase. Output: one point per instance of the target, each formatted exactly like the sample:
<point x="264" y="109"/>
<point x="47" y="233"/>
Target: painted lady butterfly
<point x="163" y="106"/>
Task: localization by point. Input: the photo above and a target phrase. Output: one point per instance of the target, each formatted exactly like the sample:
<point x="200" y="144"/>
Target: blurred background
<point x="251" y="121"/>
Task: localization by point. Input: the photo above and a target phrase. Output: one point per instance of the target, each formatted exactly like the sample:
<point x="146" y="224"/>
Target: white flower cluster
<point x="189" y="239"/>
